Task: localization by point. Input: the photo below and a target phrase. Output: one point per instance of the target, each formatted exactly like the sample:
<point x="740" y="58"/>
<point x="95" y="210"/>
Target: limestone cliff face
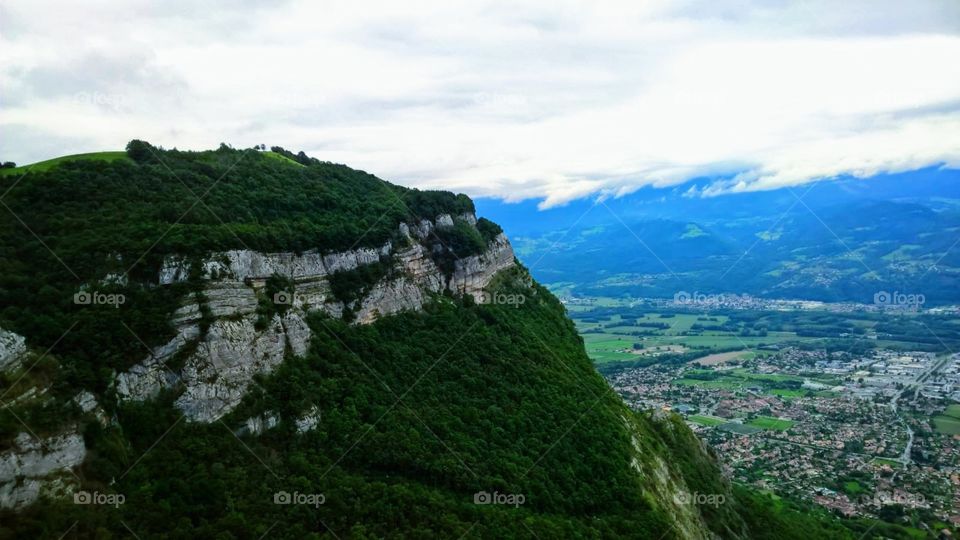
<point x="222" y="361"/>
<point x="472" y="274"/>
<point x="12" y="347"/>
<point x="38" y="464"/>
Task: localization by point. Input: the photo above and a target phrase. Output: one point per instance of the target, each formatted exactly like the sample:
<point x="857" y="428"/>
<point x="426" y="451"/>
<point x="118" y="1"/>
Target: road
<point x="916" y="385"/>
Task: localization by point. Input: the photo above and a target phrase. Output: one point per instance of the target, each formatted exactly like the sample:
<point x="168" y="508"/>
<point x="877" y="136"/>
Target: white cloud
<point x="547" y="100"/>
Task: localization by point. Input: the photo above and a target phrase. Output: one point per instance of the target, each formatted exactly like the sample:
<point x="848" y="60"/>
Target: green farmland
<point x="741" y="379"/>
<point x="768" y="422"/>
<point x="706" y="420"/>
<point x="616" y="330"/>
<point x="948" y="423"/>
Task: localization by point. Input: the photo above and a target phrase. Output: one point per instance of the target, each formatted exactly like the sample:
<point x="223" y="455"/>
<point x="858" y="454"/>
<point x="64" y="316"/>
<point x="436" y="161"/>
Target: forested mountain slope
<point x="247" y="344"/>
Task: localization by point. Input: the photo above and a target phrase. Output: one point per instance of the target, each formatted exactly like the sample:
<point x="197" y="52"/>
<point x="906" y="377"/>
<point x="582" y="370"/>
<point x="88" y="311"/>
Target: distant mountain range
<point x="843" y="239"/>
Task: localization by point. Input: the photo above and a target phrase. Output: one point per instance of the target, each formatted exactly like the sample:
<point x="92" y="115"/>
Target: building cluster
<point x="857" y="436"/>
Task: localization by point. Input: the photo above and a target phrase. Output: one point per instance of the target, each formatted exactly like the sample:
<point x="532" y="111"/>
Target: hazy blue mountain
<point x="843" y="239"/>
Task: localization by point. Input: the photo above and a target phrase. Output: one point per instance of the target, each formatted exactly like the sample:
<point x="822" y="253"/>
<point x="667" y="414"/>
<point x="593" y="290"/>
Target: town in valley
<point x="848" y="407"/>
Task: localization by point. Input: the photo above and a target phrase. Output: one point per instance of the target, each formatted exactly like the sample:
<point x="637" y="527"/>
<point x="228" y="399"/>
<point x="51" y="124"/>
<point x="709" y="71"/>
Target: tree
<point x="139" y="151"/>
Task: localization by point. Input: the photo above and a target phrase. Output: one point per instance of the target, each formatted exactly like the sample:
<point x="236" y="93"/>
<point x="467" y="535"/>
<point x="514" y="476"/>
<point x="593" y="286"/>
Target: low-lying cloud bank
<point x="556" y="101"/>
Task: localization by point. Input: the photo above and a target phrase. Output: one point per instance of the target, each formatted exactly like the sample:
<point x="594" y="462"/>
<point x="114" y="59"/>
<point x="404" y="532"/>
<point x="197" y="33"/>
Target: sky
<point x="547" y="100"/>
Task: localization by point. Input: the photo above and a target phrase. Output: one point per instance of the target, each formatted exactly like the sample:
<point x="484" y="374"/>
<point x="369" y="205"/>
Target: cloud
<point x="554" y="100"/>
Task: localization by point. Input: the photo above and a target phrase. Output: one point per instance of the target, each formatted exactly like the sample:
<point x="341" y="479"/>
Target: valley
<point x="842" y="241"/>
<point x="846" y="407"/>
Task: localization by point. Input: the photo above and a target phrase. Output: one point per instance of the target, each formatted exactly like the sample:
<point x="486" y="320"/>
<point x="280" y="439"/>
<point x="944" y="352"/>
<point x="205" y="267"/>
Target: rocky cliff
<point x="38" y="463"/>
<point x="226" y="356"/>
<point x="217" y="332"/>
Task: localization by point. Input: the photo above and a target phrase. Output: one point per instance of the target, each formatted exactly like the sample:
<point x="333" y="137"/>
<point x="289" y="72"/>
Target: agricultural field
<point x="617" y="338"/>
<point x="742" y="379"/>
<point x="948" y="423"/>
<point x="721" y="358"/>
<point x="741" y="429"/>
<point x="787" y="393"/>
<point x="655" y="334"/>
<point x="706" y="420"/>
<point x="767" y="422"/>
<point x="616" y="330"/>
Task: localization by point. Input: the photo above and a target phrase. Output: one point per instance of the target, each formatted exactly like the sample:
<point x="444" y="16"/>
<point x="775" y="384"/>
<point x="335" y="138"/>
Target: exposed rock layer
<point x="224" y="359"/>
<point x="31" y="467"/>
<point x="35" y="465"/>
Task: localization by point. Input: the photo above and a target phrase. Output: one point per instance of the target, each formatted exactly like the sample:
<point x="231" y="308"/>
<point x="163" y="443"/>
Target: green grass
<point x="601" y="347"/>
<point x="693" y="231"/>
<point x="852" y="487"/>
<point x="885" y="461"/>
<point x="605" y="347"/>
<point x="706" y="420"/>
<point x="743" y="429"/>
<point x="768" y="422"/>
<point x="768" y="377"/>
<point x="281" y="157"/>
<point x="948" y="425"/>
<point x="948" y="422"/>
<point x="783" y="392"/>
<point x="51" y="163"/>
<point x="741" y="379"/>
<point x="725" y="384"/>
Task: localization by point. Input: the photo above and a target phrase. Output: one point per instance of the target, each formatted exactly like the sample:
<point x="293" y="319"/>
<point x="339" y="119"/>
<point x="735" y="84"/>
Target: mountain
<point x="835" y="240"/>
<point x="246" y="344"/>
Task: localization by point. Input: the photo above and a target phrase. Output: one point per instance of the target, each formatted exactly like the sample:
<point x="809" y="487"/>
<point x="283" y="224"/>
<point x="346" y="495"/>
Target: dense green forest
<point x="497" y="399"/>
<point x="65" y="228"/>
<point x="417" y="413"/>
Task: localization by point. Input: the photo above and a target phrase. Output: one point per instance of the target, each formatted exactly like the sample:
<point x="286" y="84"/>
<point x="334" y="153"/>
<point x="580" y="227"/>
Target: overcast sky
<point x="555" y="99"/>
